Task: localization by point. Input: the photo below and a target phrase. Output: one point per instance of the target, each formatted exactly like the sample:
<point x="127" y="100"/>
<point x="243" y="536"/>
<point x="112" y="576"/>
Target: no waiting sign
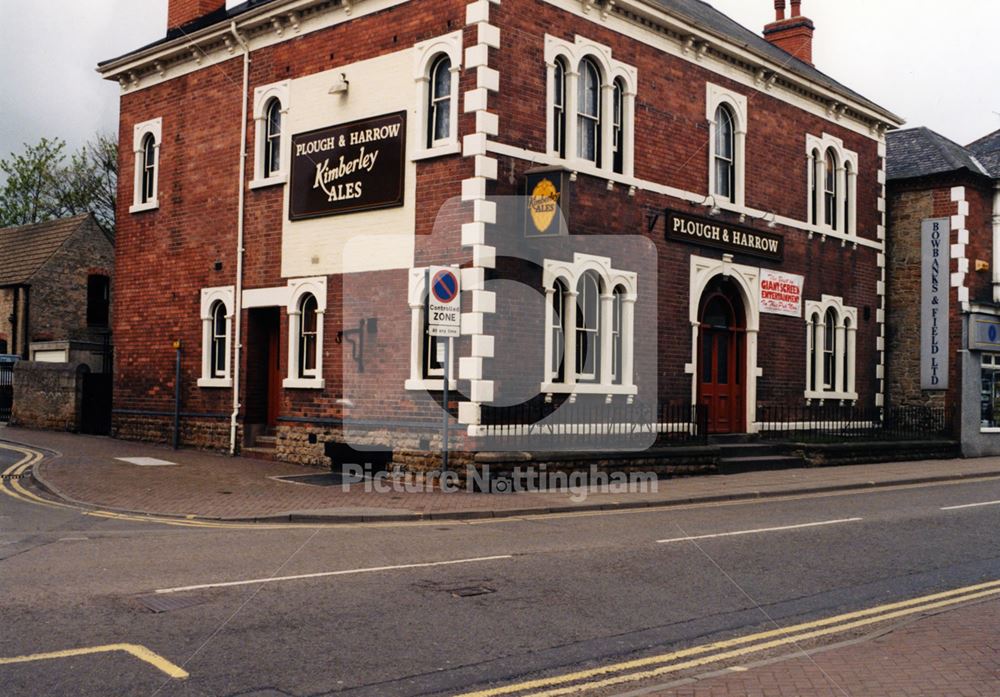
<point x="444" y="302"/>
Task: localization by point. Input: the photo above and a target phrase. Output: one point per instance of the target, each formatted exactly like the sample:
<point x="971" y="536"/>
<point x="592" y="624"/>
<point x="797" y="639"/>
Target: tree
<point x="40" y="185"/>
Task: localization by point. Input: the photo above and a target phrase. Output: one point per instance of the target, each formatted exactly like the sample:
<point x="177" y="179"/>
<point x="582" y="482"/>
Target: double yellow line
<point x="730" y="649"/>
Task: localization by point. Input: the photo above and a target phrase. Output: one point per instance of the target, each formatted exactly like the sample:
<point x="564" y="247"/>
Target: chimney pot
<point x="779" y="10"/>
<point x="796" y="8"/>
<point x="793" y="35"/>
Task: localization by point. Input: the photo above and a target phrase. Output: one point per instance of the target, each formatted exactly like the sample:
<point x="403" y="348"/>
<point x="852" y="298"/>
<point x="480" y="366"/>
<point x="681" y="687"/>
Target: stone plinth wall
<point x="48" y="395"/>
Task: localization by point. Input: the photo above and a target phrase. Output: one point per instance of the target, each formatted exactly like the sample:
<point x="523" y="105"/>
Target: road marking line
<point x="140" y="652"/>
<point x="753" y="532"/>
<point x="322" y="574"/>
<point x="970" y="505"/>
<point x="877" y="614"/>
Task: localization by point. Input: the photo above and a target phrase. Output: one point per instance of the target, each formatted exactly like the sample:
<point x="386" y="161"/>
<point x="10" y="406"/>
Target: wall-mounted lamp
<point x="341" y="86"/>
<point x="772" y="220"/>
<point x="711" y="205"/>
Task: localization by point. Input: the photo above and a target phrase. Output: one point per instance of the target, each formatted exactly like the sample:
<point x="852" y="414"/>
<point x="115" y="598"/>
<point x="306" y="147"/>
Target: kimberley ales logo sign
<point x="349" y="168"/>
<point x="731" y="238"/>
<point x="546" y="195"/>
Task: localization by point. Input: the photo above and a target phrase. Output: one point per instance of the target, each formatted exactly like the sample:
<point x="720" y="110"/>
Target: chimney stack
<point x="794" y="34"/>
<point x="182" y="12"/>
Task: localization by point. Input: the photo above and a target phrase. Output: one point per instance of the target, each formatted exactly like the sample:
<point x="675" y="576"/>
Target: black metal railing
<point x="830" y="423"/>
<point x="6" y="391"/>
<point x="588" y="423"/>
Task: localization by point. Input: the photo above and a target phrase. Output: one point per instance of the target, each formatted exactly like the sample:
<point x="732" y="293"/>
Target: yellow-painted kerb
<point x="725" y="650"/>
<point x="140" y="652"/>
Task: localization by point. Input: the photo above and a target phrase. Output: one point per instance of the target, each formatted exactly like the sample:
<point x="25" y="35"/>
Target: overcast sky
<point x="934" y="63"/>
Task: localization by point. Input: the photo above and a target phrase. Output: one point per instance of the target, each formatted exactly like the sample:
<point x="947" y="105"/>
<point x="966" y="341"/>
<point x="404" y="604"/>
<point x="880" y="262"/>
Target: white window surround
<point x="717" y="96"/>
<point x="425" y="54"/>
<point x="152" y="128"/>
<point x="297" y="289"/>
<point x="573" y="54"/>
<point x="209" y="297"/>
<point x="570" y="273"/>
<point x="847" y="185"/>
<point x="262" y="97"/>
<point x="845" y="351"/>
<point x="418" y="343"/>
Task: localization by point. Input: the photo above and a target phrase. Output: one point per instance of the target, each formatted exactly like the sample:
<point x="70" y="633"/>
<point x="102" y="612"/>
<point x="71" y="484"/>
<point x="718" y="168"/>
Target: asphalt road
<point x="531" y="597"/>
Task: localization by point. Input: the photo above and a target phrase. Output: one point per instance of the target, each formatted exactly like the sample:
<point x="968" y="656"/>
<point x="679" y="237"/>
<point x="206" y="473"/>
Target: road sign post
<point x="444" y="320"/>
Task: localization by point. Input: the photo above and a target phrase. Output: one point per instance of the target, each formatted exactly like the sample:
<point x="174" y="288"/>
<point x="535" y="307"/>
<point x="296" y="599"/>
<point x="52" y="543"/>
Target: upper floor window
<point x="832" y="172"/>
<point x="146" y="147"/>
<point x="725" y="153"/>
<point x="439" y="106"/>
<point x="831" y="329"/>
<point x="270" y="112"/>
<point x="98" y="300"/>
<point x="559" y="109"/>
<point x="591" y="110"/>
<point x="217" y="307"/>
<point x="589" y="323"/>
<point x="437" y="66"/>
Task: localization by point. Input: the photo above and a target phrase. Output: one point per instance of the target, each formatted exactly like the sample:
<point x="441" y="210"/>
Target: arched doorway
<point x="722" y="356"/>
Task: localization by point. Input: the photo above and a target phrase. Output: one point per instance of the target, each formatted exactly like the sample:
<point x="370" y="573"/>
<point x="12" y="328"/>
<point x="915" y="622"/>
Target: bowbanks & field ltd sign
<point x="352" y="167"/>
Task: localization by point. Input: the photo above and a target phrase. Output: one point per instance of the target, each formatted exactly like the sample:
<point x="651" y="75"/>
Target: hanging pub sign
<point x="352" y="167"/>
<point x="546" y="203"/>
<point x="737" y="239"/>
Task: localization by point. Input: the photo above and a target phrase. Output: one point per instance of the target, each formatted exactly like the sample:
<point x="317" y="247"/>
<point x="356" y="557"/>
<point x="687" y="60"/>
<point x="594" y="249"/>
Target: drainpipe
<point x="238" y="300"/>
<point x="996" y="242"/>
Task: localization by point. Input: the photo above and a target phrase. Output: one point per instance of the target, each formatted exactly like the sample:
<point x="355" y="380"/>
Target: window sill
<point x="215" y="382"/>
<point x="142" y="207"/>
<point x="430" y="385"/>
<point x="588" y="388"/>
<point x="270" y="181"/>
<point x="437" y="151"/>
<point x="303" y="383"/>
<point x="833" y="396"/>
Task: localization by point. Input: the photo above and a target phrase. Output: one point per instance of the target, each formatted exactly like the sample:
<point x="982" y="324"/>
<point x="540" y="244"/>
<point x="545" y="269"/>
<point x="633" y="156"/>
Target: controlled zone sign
<point x="444" y="302"/>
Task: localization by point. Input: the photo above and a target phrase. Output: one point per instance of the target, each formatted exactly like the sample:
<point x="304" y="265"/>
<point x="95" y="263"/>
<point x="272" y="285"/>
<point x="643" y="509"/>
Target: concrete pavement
<point x="89" y="471"/>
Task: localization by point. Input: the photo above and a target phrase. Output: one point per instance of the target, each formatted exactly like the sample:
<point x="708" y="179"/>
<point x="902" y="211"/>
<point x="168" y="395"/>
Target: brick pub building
<point x="648" y="207"/>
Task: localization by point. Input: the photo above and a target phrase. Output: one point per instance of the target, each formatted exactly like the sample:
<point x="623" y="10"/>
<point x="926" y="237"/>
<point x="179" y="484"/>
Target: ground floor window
<point x="426" y="351"/>
<point x="989" y="396"/>
<point x="217" y="308"/>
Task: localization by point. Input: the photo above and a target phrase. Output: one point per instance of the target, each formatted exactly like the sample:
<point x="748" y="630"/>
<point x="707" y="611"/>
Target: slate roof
<point x="697" y="12"/>
<point x="920" y="152"/>
<point x="25" y="249"/>
<point x="987" y="151"/>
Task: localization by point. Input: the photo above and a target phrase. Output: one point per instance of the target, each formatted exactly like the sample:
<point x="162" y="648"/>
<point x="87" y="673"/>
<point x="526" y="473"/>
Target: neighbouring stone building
<point x="944" y="280"/>
<point x="652" y="212"/>
<point x="55" y="285"/>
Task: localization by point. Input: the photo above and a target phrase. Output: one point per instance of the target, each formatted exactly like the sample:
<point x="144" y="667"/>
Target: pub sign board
<point x="546" y="193"/>
<point x="348" y="168"/>
<point x="737" y="239"/>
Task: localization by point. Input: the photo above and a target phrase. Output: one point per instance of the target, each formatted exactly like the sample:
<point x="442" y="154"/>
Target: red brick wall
<point x="180" y="12"/>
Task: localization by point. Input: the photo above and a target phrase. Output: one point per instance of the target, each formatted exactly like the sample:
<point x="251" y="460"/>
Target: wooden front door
<point x="722" y="359"/>
<point x="273" y="374"/>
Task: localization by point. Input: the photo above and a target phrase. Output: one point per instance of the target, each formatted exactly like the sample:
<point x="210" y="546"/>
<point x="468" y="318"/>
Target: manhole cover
<point x="472" y="591"/>
<point x="158" y="603"/>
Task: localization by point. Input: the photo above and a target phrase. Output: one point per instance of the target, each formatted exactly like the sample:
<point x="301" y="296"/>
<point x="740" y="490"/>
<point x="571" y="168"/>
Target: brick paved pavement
<point x="217" y="486"/>
<point x="952" y="654"/>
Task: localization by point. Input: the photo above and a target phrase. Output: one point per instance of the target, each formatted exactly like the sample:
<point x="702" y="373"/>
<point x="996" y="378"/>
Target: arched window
<point x="588" y="323"/>
<point x="814" y="325"/>
<point x="220" y="336"/>
<point x="848" y="197"/>
<point x="830" y="189"/>
<point x="725" y="153"/>
<point x="830" y="350"/>
<point x="816" y="179"/>
<point x="308" y="333"/>
<point x="272" y="139"/>
<point x="558" y="331"/>
<point x="439" y="106"/>
<point x="845" y="364"/>
<point x="559" y="109"/>
<point x="148" y="169"/>
<point x="589" y="112"/>
<point x="617" y="335"/>
<point x="618" y="112"/>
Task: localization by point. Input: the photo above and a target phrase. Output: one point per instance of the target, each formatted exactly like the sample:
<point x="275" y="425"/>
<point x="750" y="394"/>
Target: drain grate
<point x="22" y="475"/>
<point x="166" y="603"/>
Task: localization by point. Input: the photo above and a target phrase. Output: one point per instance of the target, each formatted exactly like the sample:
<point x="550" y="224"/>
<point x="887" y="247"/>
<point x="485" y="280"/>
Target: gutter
<point x="238" y="300"/>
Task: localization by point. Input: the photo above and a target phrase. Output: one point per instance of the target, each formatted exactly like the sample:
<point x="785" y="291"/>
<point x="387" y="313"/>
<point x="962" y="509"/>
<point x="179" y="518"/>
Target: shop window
<point x="990" y="392"/>
<point x="98" y="300"/>
<point x="270" y="113"/>
<point x="146" y="150"/>
<point x="217" y="307"/>
<point x="831" y="329"/>
<point x="589" y="316"/>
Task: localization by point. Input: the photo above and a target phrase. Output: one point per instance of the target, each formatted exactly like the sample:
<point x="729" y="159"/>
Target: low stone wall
<point x="48" y="395"/>
<point x="204" y="434"/>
